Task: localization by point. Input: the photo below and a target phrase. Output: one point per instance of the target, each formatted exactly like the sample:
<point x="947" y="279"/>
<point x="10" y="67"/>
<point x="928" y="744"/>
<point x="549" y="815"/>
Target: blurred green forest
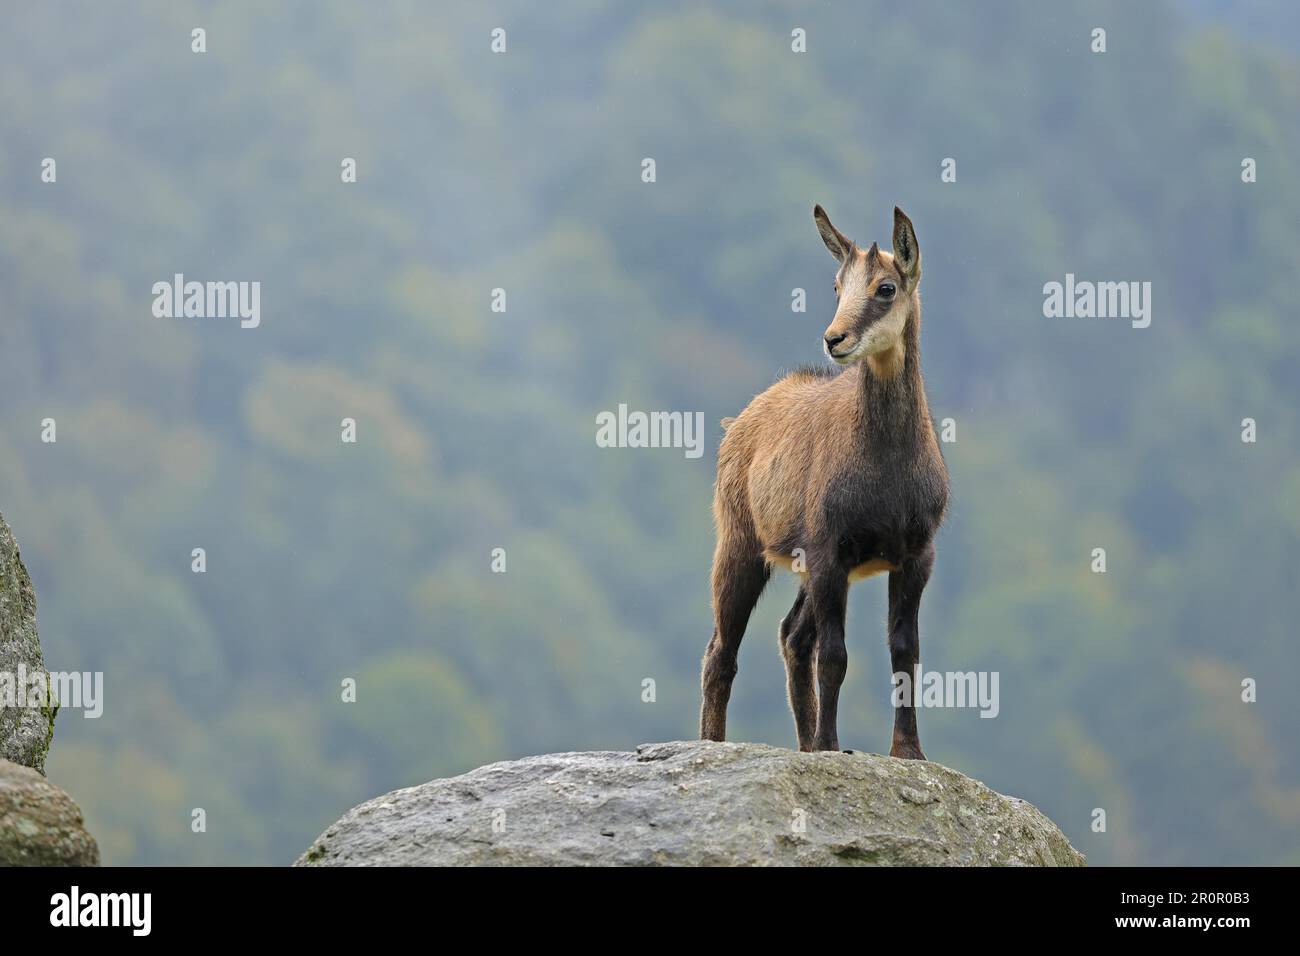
<point x="476" y="430"/>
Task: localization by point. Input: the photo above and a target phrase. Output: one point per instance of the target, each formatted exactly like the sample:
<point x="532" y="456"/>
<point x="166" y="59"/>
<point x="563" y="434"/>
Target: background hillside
<point x="477" y="429"/>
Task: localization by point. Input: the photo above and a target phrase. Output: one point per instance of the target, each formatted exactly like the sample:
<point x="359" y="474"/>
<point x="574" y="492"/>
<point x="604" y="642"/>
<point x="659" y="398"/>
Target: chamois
<point x="836" y="475"/>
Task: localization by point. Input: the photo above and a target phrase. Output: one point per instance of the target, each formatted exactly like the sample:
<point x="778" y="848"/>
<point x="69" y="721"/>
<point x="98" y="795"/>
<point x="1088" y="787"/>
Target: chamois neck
<point x="894" y="409"/>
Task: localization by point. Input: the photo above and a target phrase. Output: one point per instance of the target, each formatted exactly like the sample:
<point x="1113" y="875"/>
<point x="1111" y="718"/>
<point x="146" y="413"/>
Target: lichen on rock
<point x="25" y="732"/>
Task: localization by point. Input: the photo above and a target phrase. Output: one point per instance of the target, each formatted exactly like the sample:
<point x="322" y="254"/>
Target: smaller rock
<point x="40" y="825"/>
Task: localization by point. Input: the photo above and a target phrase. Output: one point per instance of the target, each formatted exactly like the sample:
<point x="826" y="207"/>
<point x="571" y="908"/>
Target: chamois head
<point x="877" y="293"/>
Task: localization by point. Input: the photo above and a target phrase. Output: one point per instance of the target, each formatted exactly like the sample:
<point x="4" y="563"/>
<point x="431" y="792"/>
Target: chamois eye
<point x="885" y="290"/>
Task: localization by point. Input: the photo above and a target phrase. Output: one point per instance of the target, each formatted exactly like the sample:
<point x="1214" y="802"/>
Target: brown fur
<point x="837" y="477"/>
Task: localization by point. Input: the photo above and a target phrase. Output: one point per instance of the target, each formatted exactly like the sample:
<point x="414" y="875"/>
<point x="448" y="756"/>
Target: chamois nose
<point x="834" y="340"/>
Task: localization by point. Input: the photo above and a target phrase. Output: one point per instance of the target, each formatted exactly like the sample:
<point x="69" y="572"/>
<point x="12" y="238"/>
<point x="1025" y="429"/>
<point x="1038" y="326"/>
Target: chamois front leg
<point x="828" y="594"/>
<point x="905" y="587"/>
<point x="798" y="637"/>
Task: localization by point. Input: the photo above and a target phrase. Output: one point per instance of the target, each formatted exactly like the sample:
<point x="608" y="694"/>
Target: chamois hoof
<point x="906" y="753"/>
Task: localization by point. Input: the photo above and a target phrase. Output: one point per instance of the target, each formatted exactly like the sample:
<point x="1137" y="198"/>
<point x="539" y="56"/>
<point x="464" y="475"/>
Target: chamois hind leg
<point x="739" y="576"/>
<point x="905" y="587"/>
<point x="798" y="637"/>
<point x="829" y="594"/>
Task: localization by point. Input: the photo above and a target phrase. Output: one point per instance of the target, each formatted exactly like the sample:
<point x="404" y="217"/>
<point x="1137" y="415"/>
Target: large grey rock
<point x="695" y="803"/>
<point x="25" y="732"/>
<point x="40" y="825"/>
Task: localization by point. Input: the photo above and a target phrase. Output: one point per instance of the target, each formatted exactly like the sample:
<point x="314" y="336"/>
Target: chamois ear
<point x="839" y="244"/>
<point x="906" y="252"/>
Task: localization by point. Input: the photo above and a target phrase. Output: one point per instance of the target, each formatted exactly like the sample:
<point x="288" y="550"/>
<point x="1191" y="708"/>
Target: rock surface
<point x="696" y="803"/>
<point x="40" y="825"/>
<point x="25" y="732"/>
